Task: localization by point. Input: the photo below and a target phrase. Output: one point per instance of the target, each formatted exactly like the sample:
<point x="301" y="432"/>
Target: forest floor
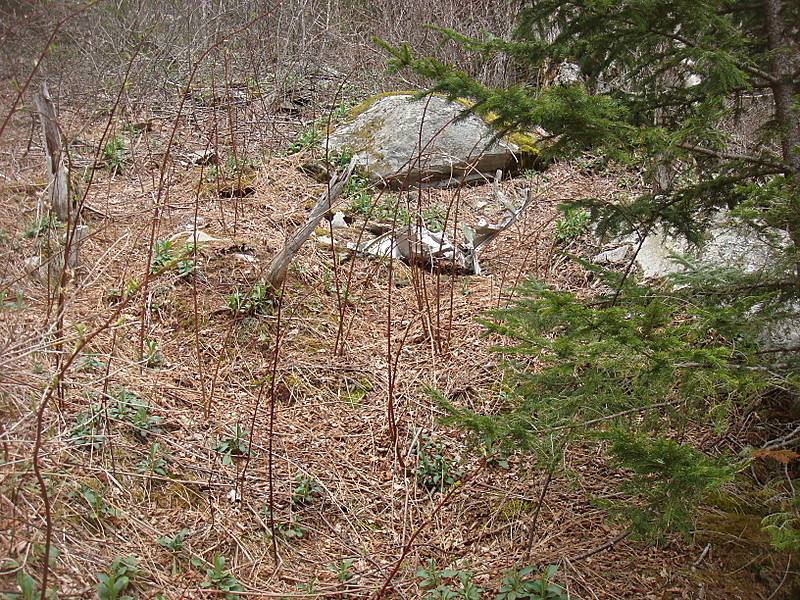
<point x="192" y="409"/>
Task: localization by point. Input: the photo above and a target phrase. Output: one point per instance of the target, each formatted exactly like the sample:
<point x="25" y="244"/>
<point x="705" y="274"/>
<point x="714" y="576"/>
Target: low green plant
<point x="152" y="357"/>
<point x="784" y="529"/>
<point x="220" y="578"/>
<point x="258" y="301"/>
<point x="495" y="455"/>
<point x="521" y="585"/>
<point x="290" y="528"/>
<point x="39" y="226"/>
<point x="448" y="584"/>
<point x="433" y="218"/>
<point x="131" y="410"/>
<point x="98" y="510"/>
<point x="155" y="463"/>
<point x="342" y="569"/>
<point x="89" y="362"/>
<point x="233" y="445"/>
<point x="310" y="135"/>
<point x="113" y="154"/>
<point x="340" y="160"/>
<point x="27" y="586"/>
<point x="309" y="587"/>
<point x="230" y="168"/>
<point x="574" y="223"/>
<point x="308" y="138"/>
<point x="175" y="545"/>
<point x="434" y="471"/>
<point x="116" y="580"/>
<point x="166" y="256"/>
<point x="26" y="583"/>
<point x="360" y="194"/>
<point x="17" y="303"/>
<point x="305" y="491"/>
<point x="87" y="432"/>
<point x="464" y="285"/>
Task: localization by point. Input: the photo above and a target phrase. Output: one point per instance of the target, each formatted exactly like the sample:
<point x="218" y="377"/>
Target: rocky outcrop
<point x="398" y="141"/>
<point x="729" y="244"/>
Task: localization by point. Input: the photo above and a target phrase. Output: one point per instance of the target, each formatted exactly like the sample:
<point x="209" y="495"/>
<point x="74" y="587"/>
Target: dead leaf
<point x="782" y="456"/>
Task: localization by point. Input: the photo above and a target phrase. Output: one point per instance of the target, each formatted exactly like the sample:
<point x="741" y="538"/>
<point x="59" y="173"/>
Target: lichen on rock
<point x="400" y="141"/>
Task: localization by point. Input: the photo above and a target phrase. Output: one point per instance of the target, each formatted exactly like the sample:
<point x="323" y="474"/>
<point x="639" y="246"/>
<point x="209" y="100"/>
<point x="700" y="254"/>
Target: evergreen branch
<point x="690" y="44"/>
<point x="781" y="167"/>
<point x="623" y="413"/>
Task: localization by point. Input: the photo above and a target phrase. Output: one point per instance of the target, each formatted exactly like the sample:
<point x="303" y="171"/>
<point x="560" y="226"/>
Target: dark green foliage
<point x="220" y="578"/>
<point x="668" y="480"/>
<point x="434" y="470"/>
<point x="115" y="581"/>
<point x="628" y="370"/>
<point x="448" y="584"/>
<point x="305" y="491"/>
<point x="519" y="585"/>
<point x="233" y="445"/>
<point x="699" y="97"/>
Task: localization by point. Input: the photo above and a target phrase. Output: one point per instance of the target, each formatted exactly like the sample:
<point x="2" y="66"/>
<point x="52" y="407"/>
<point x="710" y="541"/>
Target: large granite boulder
<point x="399" y="142"/>
<point x="729" y="243"/>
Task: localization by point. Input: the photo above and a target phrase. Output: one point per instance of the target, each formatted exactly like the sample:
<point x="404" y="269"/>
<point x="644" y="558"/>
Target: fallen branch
<point x="58" y="173"/>
<point x="601" y="547"/>
<point x="276" y="271"/>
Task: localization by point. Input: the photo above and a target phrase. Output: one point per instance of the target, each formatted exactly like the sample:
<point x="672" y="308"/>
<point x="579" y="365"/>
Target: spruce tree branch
<point x="675" y="37"/>
<point x="756" y="160"/>
<point x="623" y="413"/>
<point x="690" y="44"/>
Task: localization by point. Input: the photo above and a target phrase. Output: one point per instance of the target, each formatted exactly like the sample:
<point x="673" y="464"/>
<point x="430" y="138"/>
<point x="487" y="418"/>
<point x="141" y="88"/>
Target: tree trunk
<point x="785" y="68"/>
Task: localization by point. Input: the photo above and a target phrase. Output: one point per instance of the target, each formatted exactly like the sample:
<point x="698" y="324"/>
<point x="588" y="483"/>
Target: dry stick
<point x="206" y="400"/>
<point x="271" y="432"/>
<point x="58" y="174"/>
<point x="407" y="547"/>
<point x="534" y="521"/>
<point x="601" y="547"/>
<point x="61" y="205"/>
<point x="232" y="130"/>
<point x="338" y="344"/>
<point x="390" y="373"/>
<point x="454" y="205"/>
<point x="276" y="271"/>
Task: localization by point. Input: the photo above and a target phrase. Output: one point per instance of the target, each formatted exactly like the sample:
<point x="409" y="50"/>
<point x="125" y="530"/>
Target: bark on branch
<point x="276" y="271"/>
<point x="58" y="180"/>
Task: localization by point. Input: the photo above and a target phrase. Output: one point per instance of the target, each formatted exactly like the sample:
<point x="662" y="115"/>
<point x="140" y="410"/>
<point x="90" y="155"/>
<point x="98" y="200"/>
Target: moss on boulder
<point x="401" y="141"/>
